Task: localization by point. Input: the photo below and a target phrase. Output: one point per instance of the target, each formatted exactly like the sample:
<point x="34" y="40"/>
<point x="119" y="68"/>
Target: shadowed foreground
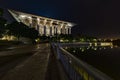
<point x="40" y="65"/>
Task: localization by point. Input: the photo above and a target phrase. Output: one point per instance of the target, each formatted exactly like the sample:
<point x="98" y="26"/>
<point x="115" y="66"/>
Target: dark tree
<point x="2" y="23"/>
<point x="14" y="29"/>
<point x="1" y="12"/>
<point x="21" y="30"/>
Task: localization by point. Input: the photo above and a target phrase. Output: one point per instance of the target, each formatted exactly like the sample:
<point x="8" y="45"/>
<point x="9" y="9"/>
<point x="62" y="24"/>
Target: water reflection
<point x="86" y="48"/>
<point x="99" y="55"/>
<point x="92" y="46"/>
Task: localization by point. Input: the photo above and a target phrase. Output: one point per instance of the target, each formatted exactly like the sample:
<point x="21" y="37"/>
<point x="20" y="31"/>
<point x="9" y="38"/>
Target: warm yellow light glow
<point x="39" y="22"/>
<point x="69" y="24"/>
<point x="29" y="17"/>
<point x="95" y="49"/>
<point x="61" y="40"/>
<point x="83" y="50"/>
<point x="94" y="39"/>
<point x="90" y="44"/>
<point x="95" y="44"/>
<point x="111" y="39"/>
<point x="22" y="16"/>
<point x="37" y="40"/>
<point x="106" y="44"/>
<point x="6" y="37"/>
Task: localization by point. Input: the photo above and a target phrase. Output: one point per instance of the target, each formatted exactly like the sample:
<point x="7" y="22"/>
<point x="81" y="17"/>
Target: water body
<point x="104" y="58"/>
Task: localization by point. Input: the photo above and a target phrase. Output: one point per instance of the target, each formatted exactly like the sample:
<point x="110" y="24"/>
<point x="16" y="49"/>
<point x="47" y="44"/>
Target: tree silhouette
<point x="21" y="30"/>
<point x="1" y="12"/>
<point x="2" y="23"/>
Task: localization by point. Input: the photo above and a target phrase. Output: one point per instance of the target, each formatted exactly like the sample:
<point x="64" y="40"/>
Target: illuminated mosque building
<point x="45" y="26"/>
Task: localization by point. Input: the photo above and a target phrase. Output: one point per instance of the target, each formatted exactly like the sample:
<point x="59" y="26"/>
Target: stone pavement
<point x="34" y="68"/>
<point x="42" y="65"/>
<point x="55" y="69"/>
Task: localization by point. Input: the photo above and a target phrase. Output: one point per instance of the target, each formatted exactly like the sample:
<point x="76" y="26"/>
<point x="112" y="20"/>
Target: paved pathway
<point x="34" y="68"/>
<point x="42" y="65"/>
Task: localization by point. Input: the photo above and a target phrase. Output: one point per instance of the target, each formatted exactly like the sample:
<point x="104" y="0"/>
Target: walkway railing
<point x="77" y="69"/>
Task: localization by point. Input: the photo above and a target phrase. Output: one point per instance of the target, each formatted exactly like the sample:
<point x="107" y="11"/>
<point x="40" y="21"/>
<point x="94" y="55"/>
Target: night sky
<point x="94" y="17"/>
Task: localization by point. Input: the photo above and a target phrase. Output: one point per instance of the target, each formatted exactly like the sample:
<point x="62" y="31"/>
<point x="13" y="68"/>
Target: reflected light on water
<point x="99" y="46"/>
<point x="95" y="49"/>
<point x="90" y="44"/>
<point x="106" y="44"/>
<point x="74" y="51"/>
<point x="82" y="50"/>
<point x="95" y="44"/>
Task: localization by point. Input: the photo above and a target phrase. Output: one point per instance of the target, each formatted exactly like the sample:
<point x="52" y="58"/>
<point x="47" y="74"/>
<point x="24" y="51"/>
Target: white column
<point x="56" y="29"/>
<point x="63" y="30"/>
<point x="30" y="22"/>
<point x="69" y="30"/>
<point x="44" y="30"/>
<point x="39" y="29"/>
<point x="47" y="30"/>
<point x="52" y="30"/>
<point x="66" y="30"/>
<point x="36" y="24"/>
<point x="59" y="29"/>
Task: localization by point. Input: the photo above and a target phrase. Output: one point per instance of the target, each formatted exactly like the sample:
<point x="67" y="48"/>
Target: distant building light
<point x="95" y="44"/>
<point x="37" y="40"/>
<point x="38" y="19"/>
<point x="94" y="39"/>
<point x="90" y="44"/>
<point x="61" y="40"/>
<point x="22" y="16"/>
<point x="6" y="37"/>
<point x="95" y="49"/>
<point x="106" y="44"/>
<point x="69" y="24"/>
<point x="29" y="17"/>
<point x="111" y="39"/>
<point x="82" y="50"/>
